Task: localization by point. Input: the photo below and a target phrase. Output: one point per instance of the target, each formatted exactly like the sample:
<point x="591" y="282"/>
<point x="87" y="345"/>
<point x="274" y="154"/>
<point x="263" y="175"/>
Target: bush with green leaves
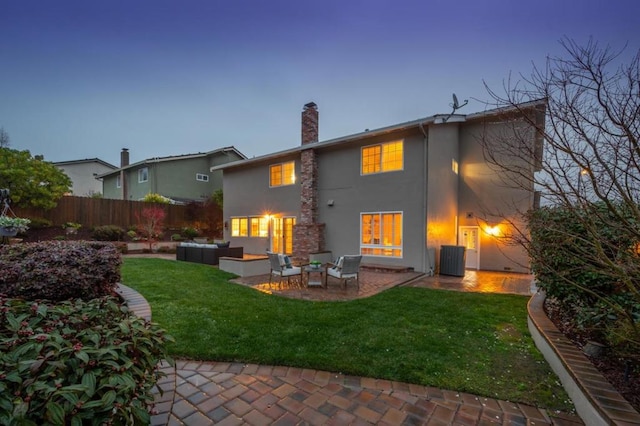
<point x="108" y="233"/>
<point x="59" y="270"/>
<point x="588" y="262"/>
<point x="39" y="222"/>
<point x="156" y="198"/>
<point x="77" y="363"/>
<point x="190" y="232"/>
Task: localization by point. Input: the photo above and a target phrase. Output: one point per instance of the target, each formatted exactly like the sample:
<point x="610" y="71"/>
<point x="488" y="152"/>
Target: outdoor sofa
<point x="209" y="254"/>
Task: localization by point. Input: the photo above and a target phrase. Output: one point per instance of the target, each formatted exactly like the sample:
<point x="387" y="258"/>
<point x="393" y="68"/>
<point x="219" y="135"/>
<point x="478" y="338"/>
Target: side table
<point x="314" y="276"/>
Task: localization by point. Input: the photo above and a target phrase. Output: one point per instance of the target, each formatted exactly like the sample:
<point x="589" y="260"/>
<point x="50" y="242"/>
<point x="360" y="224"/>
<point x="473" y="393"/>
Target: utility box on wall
<point x="452" y="260"/>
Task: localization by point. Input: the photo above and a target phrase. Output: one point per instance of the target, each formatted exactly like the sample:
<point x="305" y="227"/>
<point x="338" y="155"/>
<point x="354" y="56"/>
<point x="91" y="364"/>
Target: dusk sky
<point x="84" y="79"/>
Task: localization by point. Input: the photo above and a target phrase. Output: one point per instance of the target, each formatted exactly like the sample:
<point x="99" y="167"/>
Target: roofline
<point x="172" y="158"/>
<point x="434" y="119"/>
<point x="86" y="160"/>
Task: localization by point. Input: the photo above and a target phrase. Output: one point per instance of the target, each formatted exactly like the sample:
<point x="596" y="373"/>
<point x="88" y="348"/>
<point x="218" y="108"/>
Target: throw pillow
<point x="287" y="262"/>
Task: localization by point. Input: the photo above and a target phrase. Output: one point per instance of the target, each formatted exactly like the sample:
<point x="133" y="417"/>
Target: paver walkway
<point x="207" y="393"/>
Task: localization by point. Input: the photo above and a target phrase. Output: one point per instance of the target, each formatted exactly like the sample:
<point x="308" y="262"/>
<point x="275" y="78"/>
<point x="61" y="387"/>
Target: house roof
<point x="434" y="119"/>
<point x="86" y="160"/>
<point x="173" y="158"/>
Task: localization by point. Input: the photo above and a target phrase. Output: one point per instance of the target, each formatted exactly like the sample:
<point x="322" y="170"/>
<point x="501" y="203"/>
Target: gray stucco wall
<point x="485" y="195"/>
<point x="247" y="193"/>
<point x="352" y="194"/>
<point x="82" y="176"/>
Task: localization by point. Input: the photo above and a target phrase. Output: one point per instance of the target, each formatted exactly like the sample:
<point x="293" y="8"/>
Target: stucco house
<point x="396" y="194"/>
<point x="181" y="178"/>
<point x="83" y="175"/>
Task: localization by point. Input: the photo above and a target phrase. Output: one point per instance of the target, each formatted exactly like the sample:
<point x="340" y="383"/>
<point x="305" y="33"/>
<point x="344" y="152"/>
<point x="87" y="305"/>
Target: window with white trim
<point x="239" y="227"/>
<point x="381" y="234"/>
<point x="259" y="226"/>
<point x="282" y="174"/>
<point x="381" y="158"/>
<point x="143" y="175"/>
<point x="118" y="182"/>
<point x="201" y="177"/>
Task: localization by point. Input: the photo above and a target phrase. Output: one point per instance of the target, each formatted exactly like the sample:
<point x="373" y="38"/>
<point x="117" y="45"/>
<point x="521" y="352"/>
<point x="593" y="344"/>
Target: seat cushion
<point x="294" y="270"/>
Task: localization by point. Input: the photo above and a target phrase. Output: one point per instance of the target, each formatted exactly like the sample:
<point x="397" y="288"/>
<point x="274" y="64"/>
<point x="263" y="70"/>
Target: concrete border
<point x="596" y="401"/>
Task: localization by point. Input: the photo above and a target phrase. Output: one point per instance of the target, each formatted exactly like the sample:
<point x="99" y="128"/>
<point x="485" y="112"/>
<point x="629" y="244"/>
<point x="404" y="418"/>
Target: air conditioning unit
<point x="452" y="260"/>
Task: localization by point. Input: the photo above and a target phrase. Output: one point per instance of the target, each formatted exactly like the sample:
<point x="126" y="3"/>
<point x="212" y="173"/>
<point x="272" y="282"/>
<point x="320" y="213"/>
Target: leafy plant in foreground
<point x="77" y="363"/>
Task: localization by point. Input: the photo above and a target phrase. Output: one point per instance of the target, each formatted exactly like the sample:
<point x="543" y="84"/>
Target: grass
<point x="468" y="342"/>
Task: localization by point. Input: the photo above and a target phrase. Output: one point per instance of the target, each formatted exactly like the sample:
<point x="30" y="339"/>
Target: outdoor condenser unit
<point x="452" y="260"/>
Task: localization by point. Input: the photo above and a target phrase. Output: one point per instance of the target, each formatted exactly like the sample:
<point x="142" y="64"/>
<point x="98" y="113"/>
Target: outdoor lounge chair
<point x="346" y="268"/>
<point x="280" y="268"/>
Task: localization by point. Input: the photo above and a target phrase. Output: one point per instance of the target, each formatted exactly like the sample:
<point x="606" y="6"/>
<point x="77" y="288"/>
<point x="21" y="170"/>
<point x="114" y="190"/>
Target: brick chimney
<point x="124" y="162"/>
<point x="124" y="157"/>
<point x="308" y="234"/>
<point x="310" y="123"/>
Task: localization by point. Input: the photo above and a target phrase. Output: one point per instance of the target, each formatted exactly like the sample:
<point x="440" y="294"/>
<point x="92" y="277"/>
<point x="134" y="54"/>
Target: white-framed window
<point x="143" y="174"/>
<point x="259" y="227"/>
<point x="239" y="227"/>
<point x="381" y="234"/>
<point x="282" y="174"/>
<point x="381" y="158"/>
<point x="201" y="177"/>
<point x="118" y="182"/>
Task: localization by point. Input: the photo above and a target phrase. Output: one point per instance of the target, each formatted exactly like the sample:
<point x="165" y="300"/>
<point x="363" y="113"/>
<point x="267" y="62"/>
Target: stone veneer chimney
<point x="308" y="234"/>
<point x="309" y="123"/>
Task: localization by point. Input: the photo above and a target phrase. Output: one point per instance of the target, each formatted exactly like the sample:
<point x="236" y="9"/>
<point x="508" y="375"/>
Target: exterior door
<point x="470" y="239"/>
<point x="282" y="234"/>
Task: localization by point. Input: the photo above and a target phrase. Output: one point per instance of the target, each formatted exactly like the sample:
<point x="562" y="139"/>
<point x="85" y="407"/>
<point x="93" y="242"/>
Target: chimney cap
<point x="310" y="105"/>
<point x="125" y="149"/>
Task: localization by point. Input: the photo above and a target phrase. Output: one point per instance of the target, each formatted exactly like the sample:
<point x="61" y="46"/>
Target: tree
<point x="587" y="173"/>
<point x="33" y="182"/>
<point x="5" y="141"/>
<point x="150" y="223"/>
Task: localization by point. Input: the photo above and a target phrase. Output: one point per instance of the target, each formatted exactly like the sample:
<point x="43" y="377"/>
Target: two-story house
<point x="83" y="175"/>
<point x="394" y="194"/>
<point x="181" y="178"/>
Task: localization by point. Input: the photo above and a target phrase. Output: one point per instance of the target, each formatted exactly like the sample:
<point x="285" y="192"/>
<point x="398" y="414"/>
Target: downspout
<point x="425" y="172"/>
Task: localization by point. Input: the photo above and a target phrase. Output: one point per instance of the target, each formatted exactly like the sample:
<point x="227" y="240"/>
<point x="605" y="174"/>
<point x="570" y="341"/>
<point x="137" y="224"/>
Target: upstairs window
<point x="118" y="182"/>
<point x="385" y="157"/>
<point x="282" y="174"/>
<point x="143" y="175"/>
<point x="200" y="177"/>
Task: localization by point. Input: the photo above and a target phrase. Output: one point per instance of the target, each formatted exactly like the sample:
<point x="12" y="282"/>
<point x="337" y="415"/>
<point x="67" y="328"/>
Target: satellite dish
<point x="456" y="105"/>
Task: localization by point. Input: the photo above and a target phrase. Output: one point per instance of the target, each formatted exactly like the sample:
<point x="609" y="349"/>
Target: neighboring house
<point x="182" y="178"/>
<point x="83" y="174"/>
<point x="395" y="194"/>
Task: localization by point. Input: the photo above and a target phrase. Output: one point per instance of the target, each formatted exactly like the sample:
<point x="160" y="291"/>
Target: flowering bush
<point x="59" y="270"/>
<point x="77" y="363"/>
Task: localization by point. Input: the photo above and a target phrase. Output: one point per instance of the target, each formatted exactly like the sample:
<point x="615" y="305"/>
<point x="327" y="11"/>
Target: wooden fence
<point x="90" y="212"/>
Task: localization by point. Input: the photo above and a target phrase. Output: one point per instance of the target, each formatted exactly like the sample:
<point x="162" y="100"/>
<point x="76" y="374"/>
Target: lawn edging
<point x="596" y="401"/>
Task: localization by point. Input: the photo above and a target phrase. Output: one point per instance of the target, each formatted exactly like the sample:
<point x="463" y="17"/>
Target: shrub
<point x="59" y="270"/>
<point x="39" y="222"/>
<point x="176" y="237"/>
<point x="107" y="233"/>
<point x="190" y="233"/>
<point x="156" y="198"/>
<point x="77" y="363"/>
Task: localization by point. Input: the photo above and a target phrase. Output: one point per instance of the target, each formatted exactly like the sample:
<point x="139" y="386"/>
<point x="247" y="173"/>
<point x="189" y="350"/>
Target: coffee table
<point x="314" y="276"/>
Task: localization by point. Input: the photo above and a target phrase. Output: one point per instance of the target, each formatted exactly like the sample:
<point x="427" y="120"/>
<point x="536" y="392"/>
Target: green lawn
<point x="476" y="343"/>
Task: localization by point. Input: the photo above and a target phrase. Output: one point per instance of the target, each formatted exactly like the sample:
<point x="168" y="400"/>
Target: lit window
<point x="239" y="227"/>
<point x="381" y="234"/>
<point x="202" y="177"/>
<point x="282" y="174"/>
<point x="143" y="175"/>
<point x="454" y="166"/>
<point x="386" y="157"/>
<point x="118" y="182"/>
<point x="259" y="227"/>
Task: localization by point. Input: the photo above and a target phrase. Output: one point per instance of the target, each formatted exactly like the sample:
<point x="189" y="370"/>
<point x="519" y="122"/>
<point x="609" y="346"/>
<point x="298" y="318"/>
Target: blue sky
<point x="83" y="79"/>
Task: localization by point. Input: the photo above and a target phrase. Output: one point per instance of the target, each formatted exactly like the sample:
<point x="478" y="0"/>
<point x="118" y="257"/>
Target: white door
<point x="470" y="239"/>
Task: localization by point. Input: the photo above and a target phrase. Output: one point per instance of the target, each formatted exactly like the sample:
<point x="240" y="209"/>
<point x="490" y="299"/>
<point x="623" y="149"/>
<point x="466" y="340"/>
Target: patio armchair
<point x="281" y="268"/>
<point x="346" y="268"/>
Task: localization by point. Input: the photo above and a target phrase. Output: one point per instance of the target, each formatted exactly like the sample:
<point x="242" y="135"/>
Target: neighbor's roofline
<point x="172" y="158"/>
<point x="434" y="119"/>
<point x="86" y="160"/>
